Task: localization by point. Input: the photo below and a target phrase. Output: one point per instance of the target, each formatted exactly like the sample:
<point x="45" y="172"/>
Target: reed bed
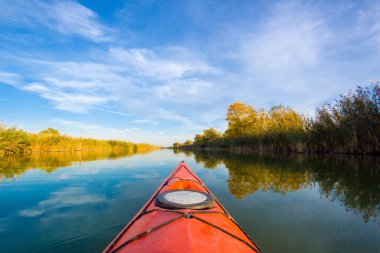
<point x="350" y="124"/>
<point x="18" y="141"/>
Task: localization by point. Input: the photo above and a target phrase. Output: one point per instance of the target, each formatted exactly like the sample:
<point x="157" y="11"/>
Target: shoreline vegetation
<point x="349" y="125"/>
<point x="19" y="142"/>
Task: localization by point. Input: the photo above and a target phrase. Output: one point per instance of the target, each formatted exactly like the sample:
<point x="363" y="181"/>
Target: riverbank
<point x="18" y="141"/>
<point x="349" y="125"/>
<point x="300" y="149"/>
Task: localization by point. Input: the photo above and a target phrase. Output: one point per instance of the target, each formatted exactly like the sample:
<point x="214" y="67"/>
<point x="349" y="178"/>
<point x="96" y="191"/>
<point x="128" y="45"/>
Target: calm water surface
<point x="78" y="203"/>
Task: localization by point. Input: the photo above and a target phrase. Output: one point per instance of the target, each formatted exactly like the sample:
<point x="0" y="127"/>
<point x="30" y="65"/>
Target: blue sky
<point x="162" y="71"/>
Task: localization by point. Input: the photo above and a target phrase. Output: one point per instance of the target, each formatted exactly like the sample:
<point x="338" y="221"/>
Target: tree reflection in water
<point x="13" y="166"/>
<point x="352" y="180"/>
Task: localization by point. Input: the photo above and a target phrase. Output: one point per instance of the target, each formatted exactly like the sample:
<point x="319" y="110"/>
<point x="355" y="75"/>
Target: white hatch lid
<point x="184" y="199"/>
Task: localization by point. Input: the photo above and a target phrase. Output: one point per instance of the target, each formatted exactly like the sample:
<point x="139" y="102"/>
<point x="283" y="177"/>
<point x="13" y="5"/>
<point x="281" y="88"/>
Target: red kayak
<point x="182" y="216"/>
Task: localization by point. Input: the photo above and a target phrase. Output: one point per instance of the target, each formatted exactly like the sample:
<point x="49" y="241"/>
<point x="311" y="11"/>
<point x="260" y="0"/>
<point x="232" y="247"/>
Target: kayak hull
<point x="160" y="230"/>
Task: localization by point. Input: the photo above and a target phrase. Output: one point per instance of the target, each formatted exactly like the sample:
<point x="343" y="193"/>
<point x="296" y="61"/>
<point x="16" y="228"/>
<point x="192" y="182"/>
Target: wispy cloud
<point x="84" y="126"/>
<point x="72" y="102"/>
<point x="140" y="84"/>
<point x="10" y="78"/>
<point x="133" y="134"/>
<point x="295" y="56"/>
<point x="115" y="112"/>
<point x="187" y="91"/>
<point x="145" y="121"/>
<point x="65" y="17"/>
<point x="166" y="67"/>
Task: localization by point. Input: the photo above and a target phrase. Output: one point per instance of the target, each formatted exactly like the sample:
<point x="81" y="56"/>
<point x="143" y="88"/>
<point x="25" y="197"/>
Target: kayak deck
<point x="157" y="229"/>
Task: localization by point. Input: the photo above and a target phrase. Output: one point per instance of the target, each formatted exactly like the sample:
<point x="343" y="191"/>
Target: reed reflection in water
<point x="14" y="165"/>
<point x="354" y="181"/>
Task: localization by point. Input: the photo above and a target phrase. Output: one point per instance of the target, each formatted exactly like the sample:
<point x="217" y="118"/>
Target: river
<point x="79" y="202"/>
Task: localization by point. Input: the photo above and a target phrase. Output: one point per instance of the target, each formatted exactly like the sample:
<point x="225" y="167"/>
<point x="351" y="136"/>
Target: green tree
<point x="285" y="126"/>
<point x="177" y="145"/>
<point x="50" y="131"/>
<point x="208" y="137"/>
<point x="188" y="142"/>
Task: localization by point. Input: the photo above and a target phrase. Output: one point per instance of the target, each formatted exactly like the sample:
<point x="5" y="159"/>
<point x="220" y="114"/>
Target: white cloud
<point x="283" y="47"/>
<point x="148" y="63"/>
<point x="66" y="197"/>
<point x="9" y="78"/>
<point x="296" y="56"/>
<point x="72" y="102"/>
<point x="65" y="17"/>
<point x="287" y="44"/>
<point x="115" y="112"/>
<point x="169" y="115"/>
<point x="73" y="84"/>
<point x="74" y="18"/>
<point x="136" y="135"/>
<point x="145" y="62"/>
<point x="141" y="85"/>
<point x="77" y="124"/>
<point x="145" y="121"/>
<point x="187" y="91"/>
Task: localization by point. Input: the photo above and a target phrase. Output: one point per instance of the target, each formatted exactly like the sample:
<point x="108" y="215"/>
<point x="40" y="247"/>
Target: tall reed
<point x="351" y="124"/>
<point x="18" y="141"/>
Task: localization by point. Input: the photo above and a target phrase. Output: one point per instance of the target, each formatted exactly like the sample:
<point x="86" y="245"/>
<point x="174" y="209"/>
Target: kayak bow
<point x="182" y="216"/>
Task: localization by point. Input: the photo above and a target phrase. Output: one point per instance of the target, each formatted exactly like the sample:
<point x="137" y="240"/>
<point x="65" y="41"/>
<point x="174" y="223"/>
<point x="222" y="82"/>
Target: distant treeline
<point x="18" y="141"/>
<point x="351" y="124"/>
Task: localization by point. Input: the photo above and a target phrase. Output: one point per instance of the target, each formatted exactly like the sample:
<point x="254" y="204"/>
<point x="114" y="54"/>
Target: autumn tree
<point x="241" y="118"/>
<point x="13" y="140"/>
<point x="285" y="126"/>
<point x="207" y="138"/>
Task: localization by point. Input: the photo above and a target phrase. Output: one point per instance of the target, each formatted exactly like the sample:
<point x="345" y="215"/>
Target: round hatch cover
<point x="184" y="199"/>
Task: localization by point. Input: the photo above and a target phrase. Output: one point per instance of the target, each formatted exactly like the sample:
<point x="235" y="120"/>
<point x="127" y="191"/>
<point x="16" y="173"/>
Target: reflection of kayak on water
<point x="182" y="216"/>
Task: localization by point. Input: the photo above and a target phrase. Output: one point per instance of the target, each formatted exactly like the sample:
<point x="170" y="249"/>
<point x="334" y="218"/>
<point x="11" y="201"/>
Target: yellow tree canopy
<point x="242" y="119"/>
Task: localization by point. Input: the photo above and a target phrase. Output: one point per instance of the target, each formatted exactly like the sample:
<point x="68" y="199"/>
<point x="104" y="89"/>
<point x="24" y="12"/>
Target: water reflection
<point x="276" y="199"/>
<point x="64" y="198"/>
<point x="14" y="166"/>
<point x="353" y="181"/>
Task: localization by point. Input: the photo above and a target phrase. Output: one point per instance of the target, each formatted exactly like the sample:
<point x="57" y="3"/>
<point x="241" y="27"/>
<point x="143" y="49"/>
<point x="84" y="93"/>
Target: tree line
<point x="18" y="141"/>
<point x="350" y="124"/>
